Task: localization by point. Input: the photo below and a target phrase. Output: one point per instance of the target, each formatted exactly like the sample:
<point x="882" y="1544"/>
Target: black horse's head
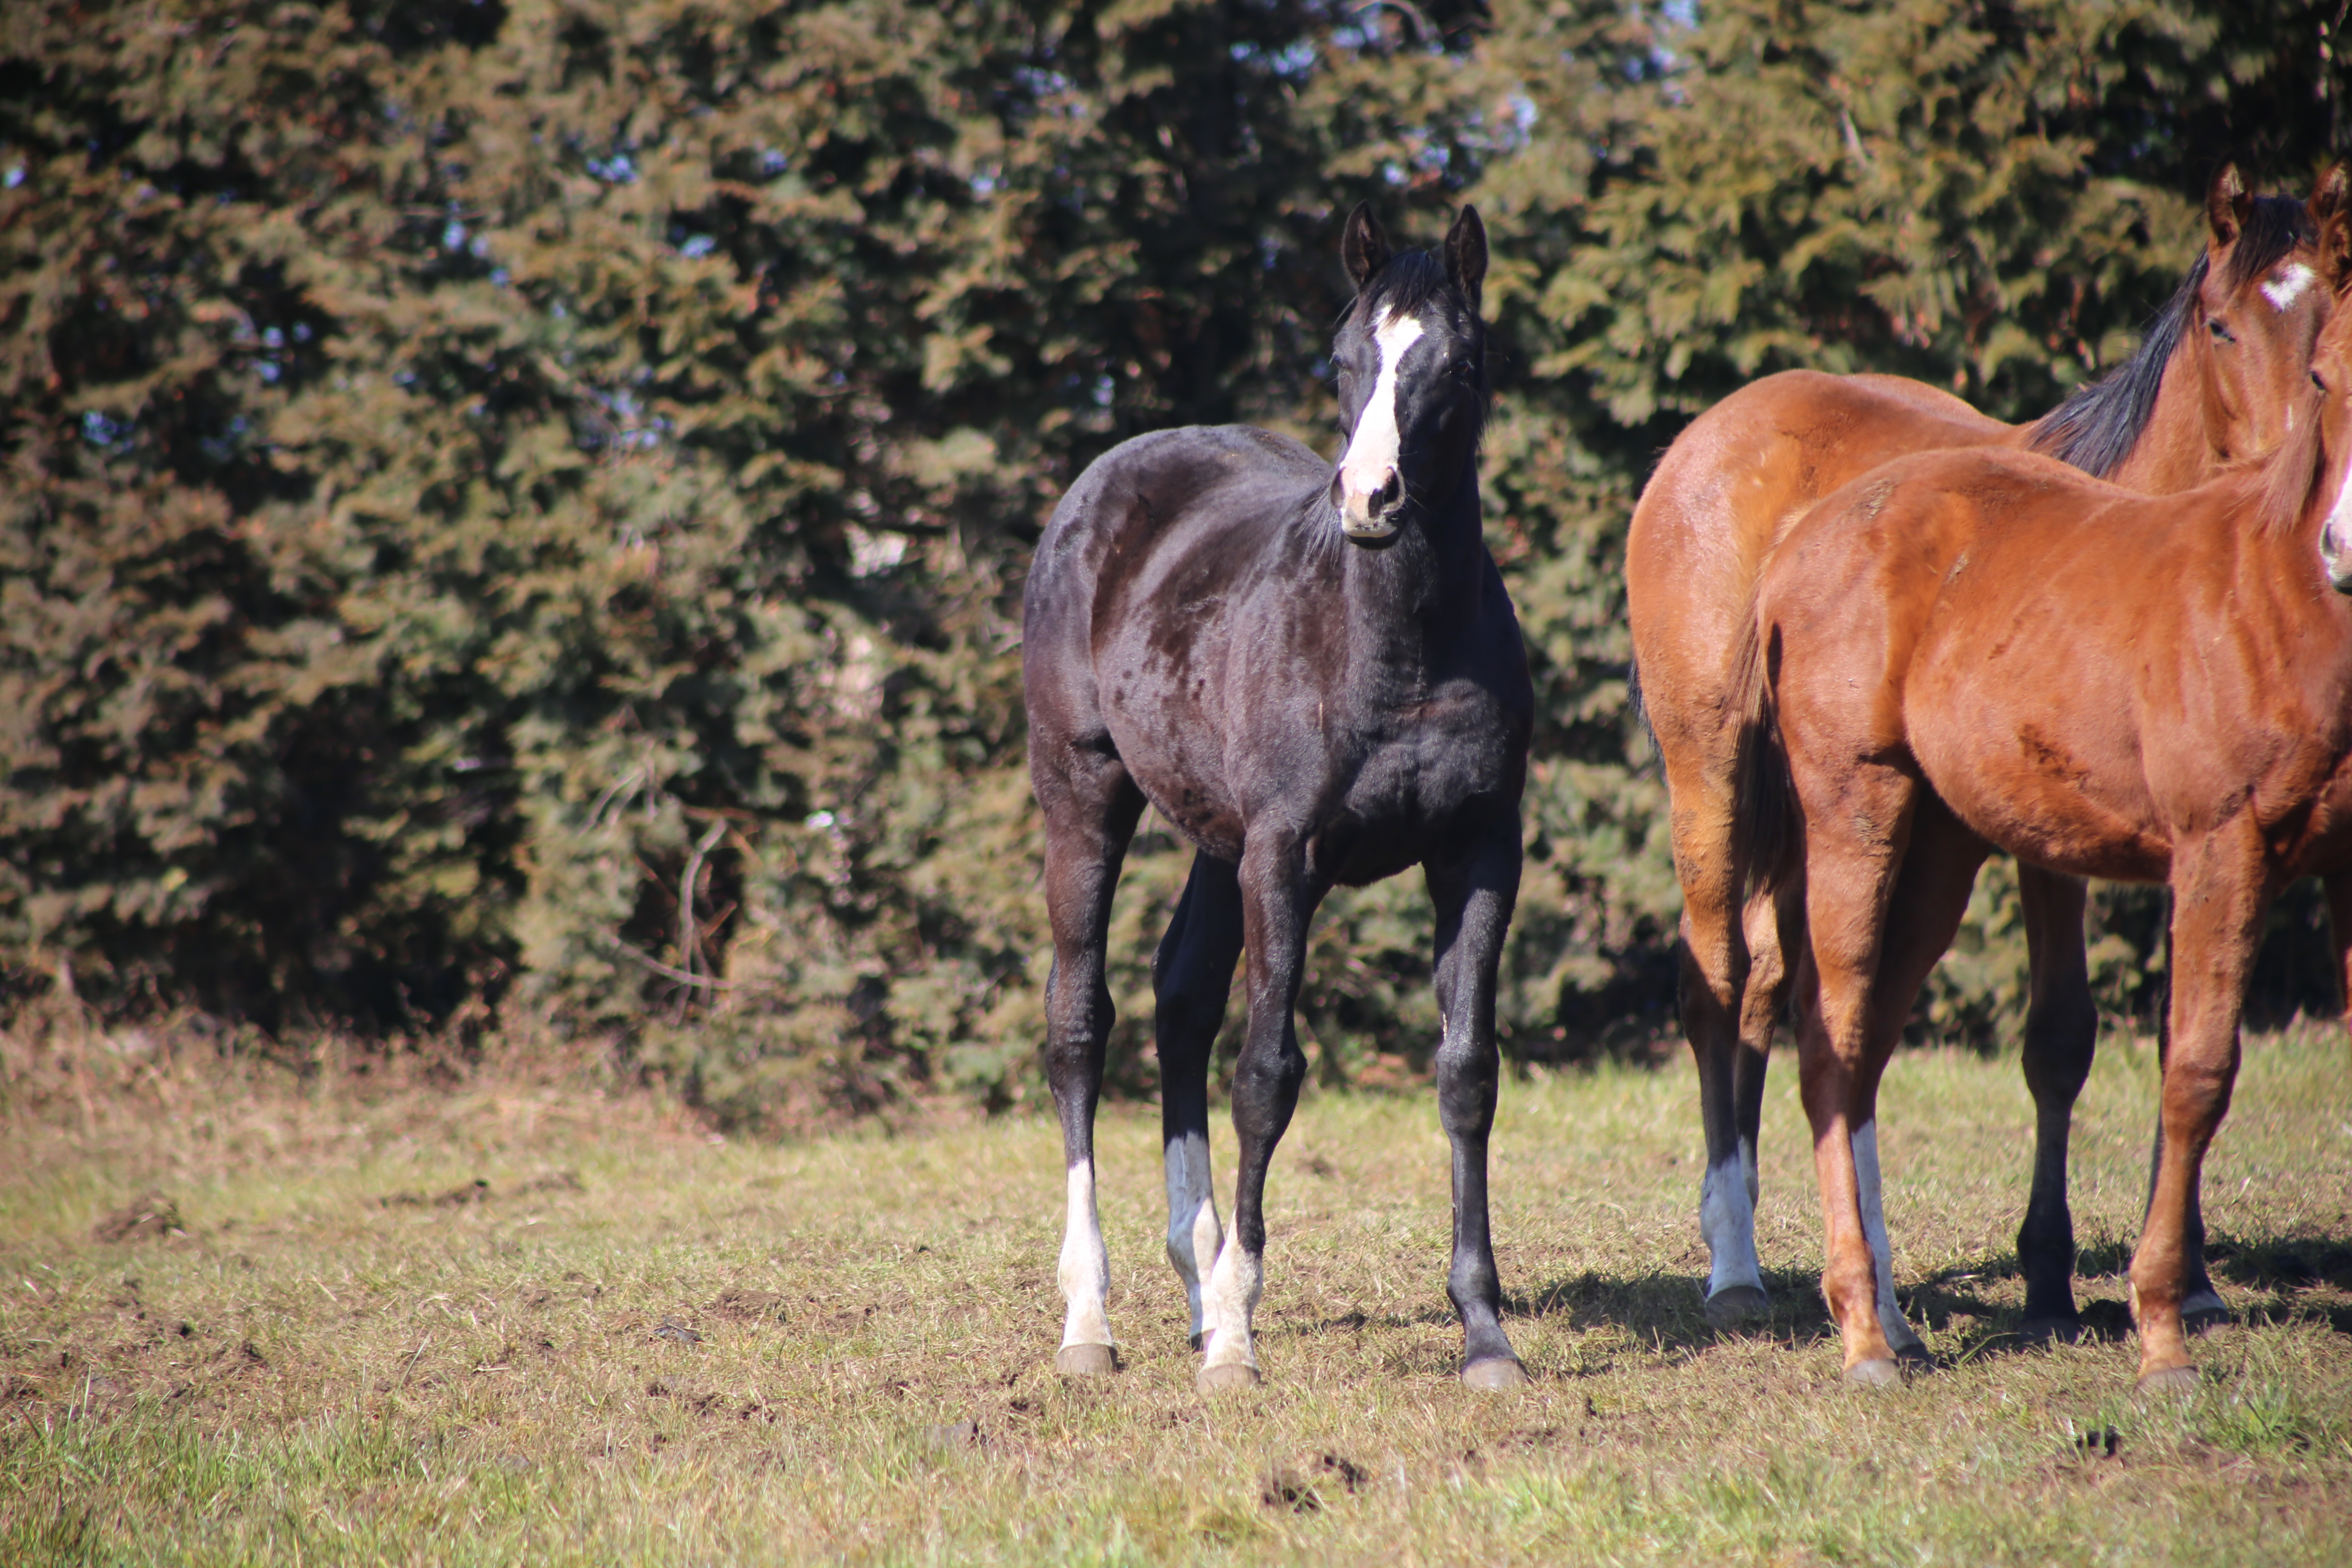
<point x="1412" y="358"/>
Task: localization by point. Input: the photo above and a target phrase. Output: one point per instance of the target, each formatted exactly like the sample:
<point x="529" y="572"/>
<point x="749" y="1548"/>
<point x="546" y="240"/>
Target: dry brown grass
<point x="639" y="1343"/>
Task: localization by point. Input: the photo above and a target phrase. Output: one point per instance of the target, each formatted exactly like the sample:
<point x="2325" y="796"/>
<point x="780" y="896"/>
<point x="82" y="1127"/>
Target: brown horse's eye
<point x="2221" y="333"/>
<point x="2318" y="383"/>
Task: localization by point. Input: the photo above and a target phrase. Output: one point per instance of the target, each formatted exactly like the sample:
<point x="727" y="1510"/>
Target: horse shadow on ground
<point x="2272" y="1279"/>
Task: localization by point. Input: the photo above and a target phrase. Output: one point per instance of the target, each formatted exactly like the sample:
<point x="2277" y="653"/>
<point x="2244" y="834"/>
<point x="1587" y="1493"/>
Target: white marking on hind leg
<point x="1726" y="1217"/>
<point x="1234" y="1287"/>
<point x="1194" y="1233"/>
<point x="1085" y="1270"/>
<point x="1891" y="1321"/>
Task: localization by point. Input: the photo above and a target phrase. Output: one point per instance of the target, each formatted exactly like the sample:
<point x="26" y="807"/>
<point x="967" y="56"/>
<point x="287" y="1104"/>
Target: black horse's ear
<point x="1363" y="248"/>
<point x="1466" y="254"/>
<point x="2228" y="204"/>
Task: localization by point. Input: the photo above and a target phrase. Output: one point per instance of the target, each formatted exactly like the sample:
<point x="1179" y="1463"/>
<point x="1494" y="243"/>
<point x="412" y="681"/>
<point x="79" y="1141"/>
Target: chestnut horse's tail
<point x="1767" y="830"/>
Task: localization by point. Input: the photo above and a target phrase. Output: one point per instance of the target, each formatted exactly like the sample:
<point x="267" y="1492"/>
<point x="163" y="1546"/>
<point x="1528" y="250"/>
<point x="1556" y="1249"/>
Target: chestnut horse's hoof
<point x="2170" y="1382"/>
<point x="1495" y="1375"/>
<point x="1876" y="1373"/>
<point x="1735" y="1306"/>
<point x="2050" y="1330"/>
<point x="1226" y="1377"/>
<point x="1085" y="1361"/>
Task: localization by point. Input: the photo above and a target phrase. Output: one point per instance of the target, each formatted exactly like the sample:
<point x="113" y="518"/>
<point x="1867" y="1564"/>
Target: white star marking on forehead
<point x="2288" y="286"/>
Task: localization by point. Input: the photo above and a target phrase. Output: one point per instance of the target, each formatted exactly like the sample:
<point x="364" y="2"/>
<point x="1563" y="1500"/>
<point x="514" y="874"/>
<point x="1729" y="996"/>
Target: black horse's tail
<point x="1767" y="830"/>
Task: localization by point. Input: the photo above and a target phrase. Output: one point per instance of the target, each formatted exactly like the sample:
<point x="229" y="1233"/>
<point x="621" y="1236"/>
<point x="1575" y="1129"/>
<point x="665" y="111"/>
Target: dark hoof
<point x="1874" y="1373"/>
<point x="2204" y="1316"/>
<point x="2050" y="1330"/>
<point x="1734" y="1306"/>
<point x="1914" y="1357"/>
<point x="1194" y="1340"/>
<point x="1085" y="1361"/>
<point x="1495" y="1375"/>
<point x="1227" y="1376"/>
<point x="2172" y="1383"/>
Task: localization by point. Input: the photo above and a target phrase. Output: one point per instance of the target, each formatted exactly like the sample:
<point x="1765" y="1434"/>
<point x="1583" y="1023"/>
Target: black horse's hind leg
<point x="1473" y="894"/>
<point x="1278" y="898"/>
<point x="2062" y="1030"/>
<point x="1191" y="975"/>
<point x="1091" y="806"/>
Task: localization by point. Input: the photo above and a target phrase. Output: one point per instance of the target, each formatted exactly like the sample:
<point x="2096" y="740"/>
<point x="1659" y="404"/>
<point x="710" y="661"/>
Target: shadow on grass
<point x="2300" y="1279"/>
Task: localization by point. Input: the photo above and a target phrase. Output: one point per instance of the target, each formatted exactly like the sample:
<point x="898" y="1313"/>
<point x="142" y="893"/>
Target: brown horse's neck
<point x="2180" y="448"/>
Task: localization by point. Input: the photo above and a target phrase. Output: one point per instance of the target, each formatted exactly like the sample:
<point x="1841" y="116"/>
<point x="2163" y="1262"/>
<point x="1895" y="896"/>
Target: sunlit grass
<point x="646" y="1345"/>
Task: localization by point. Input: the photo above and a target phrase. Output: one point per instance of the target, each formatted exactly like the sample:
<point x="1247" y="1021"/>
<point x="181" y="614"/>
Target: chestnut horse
<point x="1315" y="674"/>
<point x="2209" y="386"/>
<point x="1981" y="650"/>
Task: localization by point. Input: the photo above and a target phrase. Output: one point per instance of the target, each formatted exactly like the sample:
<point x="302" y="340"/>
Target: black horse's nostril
<point x="1390" y="492"/>
<point x="1338" y="490"/>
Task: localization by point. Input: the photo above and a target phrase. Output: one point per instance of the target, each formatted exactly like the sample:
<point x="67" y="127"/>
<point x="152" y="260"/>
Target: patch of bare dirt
<point x="150" y="1217"/>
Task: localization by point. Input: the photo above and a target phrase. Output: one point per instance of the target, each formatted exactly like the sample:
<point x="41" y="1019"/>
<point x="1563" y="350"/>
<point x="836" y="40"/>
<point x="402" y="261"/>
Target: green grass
<point x="647" y="1346"/>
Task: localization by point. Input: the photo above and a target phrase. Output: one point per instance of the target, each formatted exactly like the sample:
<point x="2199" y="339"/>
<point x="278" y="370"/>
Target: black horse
<point x="1316" y="676"/>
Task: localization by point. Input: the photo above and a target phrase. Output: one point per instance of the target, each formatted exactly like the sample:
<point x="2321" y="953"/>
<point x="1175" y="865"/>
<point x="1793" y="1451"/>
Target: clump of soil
<point x="147" y="1218"/>
<point x="749" y="1306"/>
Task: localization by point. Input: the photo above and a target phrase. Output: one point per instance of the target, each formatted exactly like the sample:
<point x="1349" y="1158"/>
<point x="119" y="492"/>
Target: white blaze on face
<point x="1371" y="455"/>
<point x="1085" y="1271"/>
<point x="2288" y="285"/>
<point x="1898" y="1333"/>
<point x="2335" y="538"/>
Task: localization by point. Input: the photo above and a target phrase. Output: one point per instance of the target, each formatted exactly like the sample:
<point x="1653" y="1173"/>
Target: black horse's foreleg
<point x="1474" y="895"/>
<point x="1091" y="808"/>
<point x="1278" y="898"/>
<point x="1191" y="975"/>
<point x="2062" y="1030"/>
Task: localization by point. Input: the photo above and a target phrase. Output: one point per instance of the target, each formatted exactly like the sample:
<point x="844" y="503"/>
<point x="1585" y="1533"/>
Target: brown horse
<point x="1985" y="650"/>
<point x="2209" y="386"/>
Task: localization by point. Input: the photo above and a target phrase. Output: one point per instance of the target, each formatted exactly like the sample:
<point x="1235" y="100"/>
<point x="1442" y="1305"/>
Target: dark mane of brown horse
<point x="2096" y="426"/>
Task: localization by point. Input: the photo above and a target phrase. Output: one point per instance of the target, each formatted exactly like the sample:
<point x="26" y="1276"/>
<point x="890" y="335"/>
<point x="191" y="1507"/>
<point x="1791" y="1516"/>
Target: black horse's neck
<point x="1428" y="575"/>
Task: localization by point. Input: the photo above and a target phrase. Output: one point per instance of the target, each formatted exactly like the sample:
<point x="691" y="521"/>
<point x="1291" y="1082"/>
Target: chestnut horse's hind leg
<point x="2062" y="1030"/>
<point x="1882" y="906"/>
<point x="2220" y="895"/>
<point x="1278" y="898"/>
<point x="1191" y="975"/>
<point x="1727" y="1026"/>
<point x="1091" y="808"/>
<point x="1474" y="895"/>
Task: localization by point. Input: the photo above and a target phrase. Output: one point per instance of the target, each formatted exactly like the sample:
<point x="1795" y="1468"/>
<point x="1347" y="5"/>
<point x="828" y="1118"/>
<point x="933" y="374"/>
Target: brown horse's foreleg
<point x="1278" y="898"/>
<point x="1715" y="1007"/>
<point x="2220" y="894"/>
<point x="1191" y="975"/>
<point x="2062" y="1030"/>
<point x="1473" y="893"/>
<point x="1091" y="808"/>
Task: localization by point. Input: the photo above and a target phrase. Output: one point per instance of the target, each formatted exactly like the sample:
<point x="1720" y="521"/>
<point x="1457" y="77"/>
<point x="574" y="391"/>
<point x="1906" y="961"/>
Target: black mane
<point x="1409" y="281"/>
<point x="2098" y="425"/>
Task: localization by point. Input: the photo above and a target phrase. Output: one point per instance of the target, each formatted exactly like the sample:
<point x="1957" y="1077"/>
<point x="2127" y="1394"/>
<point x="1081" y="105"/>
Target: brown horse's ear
<point x="1363" y="248"/>
<point x="2228" y="204"/>
<point x="2331" y="196"/>
<point x="1466" y="254"/>
<point x="2335" y="251"/>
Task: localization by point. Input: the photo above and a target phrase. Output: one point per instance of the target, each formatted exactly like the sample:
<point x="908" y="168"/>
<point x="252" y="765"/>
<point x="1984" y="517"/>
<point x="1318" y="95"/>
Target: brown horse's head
<point x="2260" y="304"/>
<point x="2327" y="479"/>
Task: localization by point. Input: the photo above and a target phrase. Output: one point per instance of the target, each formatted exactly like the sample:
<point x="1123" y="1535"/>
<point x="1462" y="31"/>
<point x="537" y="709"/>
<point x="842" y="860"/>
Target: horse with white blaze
<point x="1315" y="674"/>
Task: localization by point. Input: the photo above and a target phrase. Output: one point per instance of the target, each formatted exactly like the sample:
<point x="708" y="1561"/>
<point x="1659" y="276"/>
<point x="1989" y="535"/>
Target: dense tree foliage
<point x="522" y="506"/>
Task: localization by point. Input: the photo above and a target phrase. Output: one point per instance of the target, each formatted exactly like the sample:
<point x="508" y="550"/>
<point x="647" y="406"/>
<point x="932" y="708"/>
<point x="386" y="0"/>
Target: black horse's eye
<point x="2221" y="333"/>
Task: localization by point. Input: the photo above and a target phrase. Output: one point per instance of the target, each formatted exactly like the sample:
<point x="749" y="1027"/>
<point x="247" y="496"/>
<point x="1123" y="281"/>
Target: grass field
<point x="639" y="1344"/>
